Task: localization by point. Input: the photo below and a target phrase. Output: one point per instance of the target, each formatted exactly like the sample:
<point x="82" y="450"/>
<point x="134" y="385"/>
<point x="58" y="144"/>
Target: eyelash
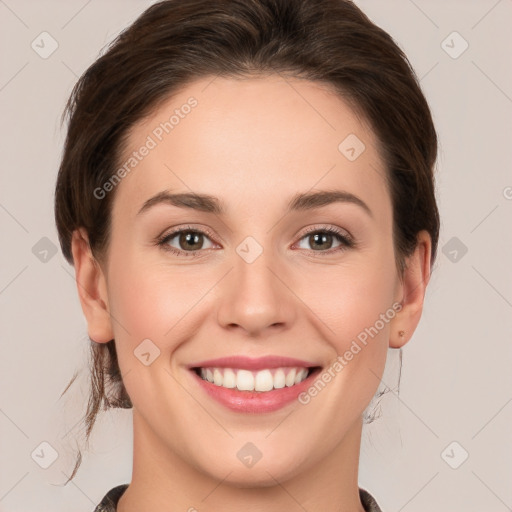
<point x="346" y="241"/>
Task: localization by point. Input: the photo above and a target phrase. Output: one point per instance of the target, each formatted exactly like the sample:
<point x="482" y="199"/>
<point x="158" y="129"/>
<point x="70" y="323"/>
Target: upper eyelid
<point x="177" y="231"/>
<point x="327" y="227"/>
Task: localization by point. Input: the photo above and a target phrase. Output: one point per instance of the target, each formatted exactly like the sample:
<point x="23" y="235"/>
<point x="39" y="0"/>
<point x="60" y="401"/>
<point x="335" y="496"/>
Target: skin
<point x="253" y="144"/>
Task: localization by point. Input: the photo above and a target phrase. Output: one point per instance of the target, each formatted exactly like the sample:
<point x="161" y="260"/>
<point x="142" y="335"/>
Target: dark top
<point x="109" y="502"/>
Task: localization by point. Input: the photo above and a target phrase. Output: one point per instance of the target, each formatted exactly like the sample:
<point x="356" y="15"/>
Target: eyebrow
<point x="210" y="204"/>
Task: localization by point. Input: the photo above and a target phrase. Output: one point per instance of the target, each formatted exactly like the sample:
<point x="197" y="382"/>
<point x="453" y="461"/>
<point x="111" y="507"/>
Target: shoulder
<point x="368" y="501"/>
<point x="109" y="501"/>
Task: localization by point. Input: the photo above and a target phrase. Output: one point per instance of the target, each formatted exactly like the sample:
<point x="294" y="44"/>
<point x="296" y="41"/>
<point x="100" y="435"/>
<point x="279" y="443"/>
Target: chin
<point x="263" y="473"/>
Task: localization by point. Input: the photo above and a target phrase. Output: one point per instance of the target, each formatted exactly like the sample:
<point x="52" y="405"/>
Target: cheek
<point x="355" y="308"/>
<point x="152" y="300"/>
<point x="349" y="298"/>
<point x="352" y="304"/>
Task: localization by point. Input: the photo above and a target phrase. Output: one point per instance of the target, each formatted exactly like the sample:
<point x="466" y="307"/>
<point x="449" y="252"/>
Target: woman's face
<point x="253" y="275"/>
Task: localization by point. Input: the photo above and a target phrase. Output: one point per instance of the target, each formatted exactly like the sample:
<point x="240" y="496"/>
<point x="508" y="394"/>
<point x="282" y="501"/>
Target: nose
<point x="255" y="297"/>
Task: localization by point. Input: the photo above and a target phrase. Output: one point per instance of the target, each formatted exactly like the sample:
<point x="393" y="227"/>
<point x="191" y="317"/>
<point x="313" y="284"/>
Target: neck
<point x="163" y="481"/>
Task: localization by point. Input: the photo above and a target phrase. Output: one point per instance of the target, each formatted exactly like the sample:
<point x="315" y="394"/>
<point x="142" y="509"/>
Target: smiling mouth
<point x="260" y="381"/>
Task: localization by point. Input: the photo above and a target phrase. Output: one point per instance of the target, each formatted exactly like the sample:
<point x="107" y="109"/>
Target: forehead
<point x="253" y="142"/>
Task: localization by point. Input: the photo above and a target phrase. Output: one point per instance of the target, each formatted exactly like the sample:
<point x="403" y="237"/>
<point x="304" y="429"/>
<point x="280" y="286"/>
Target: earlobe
<point x="92" y="289"/>
<point x="412" y="289"/>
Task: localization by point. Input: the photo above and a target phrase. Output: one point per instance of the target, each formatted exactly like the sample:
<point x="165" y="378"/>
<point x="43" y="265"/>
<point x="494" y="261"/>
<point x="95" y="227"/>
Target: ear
<point x="412" y="291"/>
<point x="92" y="288"/>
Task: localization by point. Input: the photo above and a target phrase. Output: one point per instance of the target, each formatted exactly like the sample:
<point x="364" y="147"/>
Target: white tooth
<point x="244" y="380"/>
<point x="300" y="375"/>
<point x="290" y="378"/>
<point x="263" y="381"/>
<point x="229" y="378"/>
<point x="279" y="379"/>
<point x="217" y="377"/>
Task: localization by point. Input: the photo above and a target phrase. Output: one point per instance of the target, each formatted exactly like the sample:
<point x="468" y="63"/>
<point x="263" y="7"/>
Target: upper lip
<point x="252" y="363"/>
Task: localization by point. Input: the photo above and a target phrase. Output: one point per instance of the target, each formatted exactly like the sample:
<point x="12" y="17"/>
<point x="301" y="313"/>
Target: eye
<point x="187" y="240"/>
<point x="190" y="242"/>
<point x="323" y="239"/>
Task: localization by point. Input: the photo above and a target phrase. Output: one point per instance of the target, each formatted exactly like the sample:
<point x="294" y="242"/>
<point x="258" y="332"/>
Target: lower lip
<point x="254" y="401"/>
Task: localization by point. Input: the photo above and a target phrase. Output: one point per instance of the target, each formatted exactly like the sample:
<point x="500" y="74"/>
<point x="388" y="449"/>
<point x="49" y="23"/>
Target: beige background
<point x="456" y="379"/>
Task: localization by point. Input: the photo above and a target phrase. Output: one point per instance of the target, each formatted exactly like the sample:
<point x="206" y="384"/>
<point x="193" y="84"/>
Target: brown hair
<point x="174" y="42"/>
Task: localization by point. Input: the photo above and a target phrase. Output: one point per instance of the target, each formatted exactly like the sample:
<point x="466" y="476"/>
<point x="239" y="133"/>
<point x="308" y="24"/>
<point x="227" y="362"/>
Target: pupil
<point x="323" y="239"/>
<point x="190" y="239"/>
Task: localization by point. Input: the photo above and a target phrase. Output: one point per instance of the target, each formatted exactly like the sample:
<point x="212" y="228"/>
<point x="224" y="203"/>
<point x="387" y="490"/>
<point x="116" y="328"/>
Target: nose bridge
<point x="255" y="298"/>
